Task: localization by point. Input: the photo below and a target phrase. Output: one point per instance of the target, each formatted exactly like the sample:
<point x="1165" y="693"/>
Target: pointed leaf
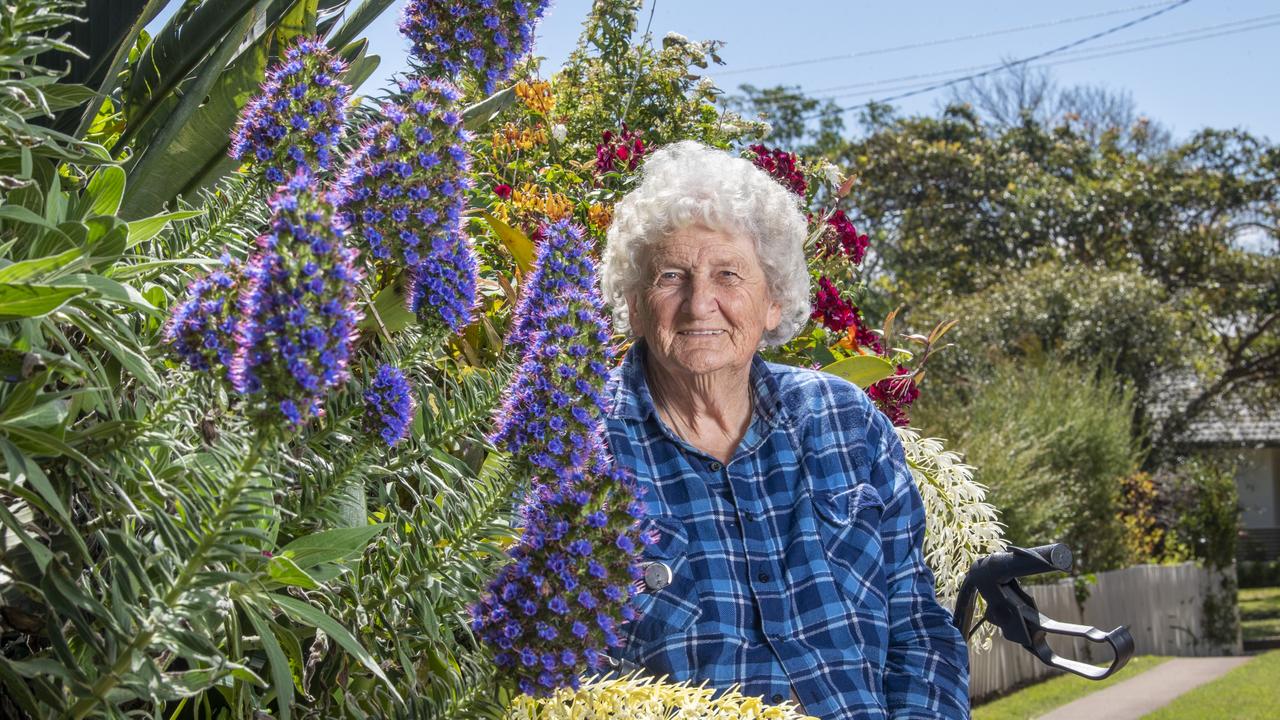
<point x="861" y="370"/>
<point x="330" y="545"/>
<point x="106" y="188"/>
<point x="285" y="571"/>
<point x="518" y="243"/>
<point x="147" y="228"/>
<point x="281" y="675"/>
<point x="19" y="300"/>
<point x="302" y="612"/>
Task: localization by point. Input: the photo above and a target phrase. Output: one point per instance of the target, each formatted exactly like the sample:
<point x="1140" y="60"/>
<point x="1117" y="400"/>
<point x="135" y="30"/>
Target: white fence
<point x="1163" y="605"/>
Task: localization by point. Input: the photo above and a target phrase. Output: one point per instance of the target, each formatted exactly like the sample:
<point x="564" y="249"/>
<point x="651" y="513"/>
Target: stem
<point x="124" y="660"/>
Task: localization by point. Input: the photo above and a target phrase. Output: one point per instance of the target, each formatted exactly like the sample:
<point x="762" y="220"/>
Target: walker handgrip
<point x="1009" y="608"/>
<point x="1120" y="640"/>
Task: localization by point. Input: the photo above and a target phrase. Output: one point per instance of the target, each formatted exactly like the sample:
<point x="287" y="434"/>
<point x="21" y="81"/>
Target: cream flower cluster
<point x="961" y="525"/>
<point x="639" y="697"/>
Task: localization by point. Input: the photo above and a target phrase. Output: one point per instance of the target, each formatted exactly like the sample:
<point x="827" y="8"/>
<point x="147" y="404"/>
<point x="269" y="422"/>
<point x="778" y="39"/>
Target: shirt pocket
<point x="674" y="608"/>
<point x="849" y="528"/>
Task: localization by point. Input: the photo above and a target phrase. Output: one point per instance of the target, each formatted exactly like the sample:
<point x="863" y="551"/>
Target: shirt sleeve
<point x="927" y="669"/>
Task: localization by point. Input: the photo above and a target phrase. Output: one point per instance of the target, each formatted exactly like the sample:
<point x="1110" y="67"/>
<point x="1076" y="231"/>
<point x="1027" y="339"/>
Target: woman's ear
<point x="633" y="315"/>
<point x="773" y="317"/>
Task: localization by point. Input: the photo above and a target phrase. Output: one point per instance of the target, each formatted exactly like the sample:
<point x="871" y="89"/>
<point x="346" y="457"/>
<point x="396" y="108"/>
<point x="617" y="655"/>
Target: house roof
<point x="1236" y="420"/>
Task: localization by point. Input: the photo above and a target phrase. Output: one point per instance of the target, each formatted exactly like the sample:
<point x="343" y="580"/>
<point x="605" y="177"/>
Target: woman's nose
<point x="701" y="298"/>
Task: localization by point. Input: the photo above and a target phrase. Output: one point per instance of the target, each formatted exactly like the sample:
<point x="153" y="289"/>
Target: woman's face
<point x="703" y="302"/>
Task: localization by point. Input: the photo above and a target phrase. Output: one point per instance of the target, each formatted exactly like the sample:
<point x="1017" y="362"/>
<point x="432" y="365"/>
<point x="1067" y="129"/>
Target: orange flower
<point x="536" y="96"/>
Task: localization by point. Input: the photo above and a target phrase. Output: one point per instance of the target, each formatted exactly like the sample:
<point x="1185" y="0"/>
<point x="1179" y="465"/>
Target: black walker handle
<point x="1009" y="608"/>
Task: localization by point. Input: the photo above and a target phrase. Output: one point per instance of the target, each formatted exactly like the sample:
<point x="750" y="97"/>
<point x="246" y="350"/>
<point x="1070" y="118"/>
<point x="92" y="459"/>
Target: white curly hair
<point x="688" y="183"/>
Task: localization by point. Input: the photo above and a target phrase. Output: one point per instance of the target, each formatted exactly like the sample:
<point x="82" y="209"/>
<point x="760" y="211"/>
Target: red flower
<point x="503" y="191"/>
<point x="841" y="237"/>
<point x="619" y="151"/>
<point x="895" y="394"/>
<point x="839" y="316"/>
<point x="782" y="166"/>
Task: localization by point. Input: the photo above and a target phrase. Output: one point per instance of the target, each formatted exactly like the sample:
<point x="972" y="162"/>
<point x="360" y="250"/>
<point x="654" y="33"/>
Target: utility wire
<point x="1083" y="57"/>
<point x="1127" y="43"/>
<point x="1022" y="61"/>
<point x="946" y="41"/>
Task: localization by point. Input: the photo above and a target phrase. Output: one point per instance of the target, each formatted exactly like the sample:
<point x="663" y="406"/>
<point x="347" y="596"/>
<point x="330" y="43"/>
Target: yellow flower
<point x="637" y="697"/>
<point x="536" y="96"/>
<point x="600" y="216"/>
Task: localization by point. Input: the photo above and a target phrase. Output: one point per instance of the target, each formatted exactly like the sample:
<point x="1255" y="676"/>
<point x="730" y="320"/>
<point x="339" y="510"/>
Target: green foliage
<point x="1258" y="573"/>
<point x="964" y="205"/>
<point x="1067" y="310"/>
<point x="1260" y="610"/>
<point x="1051" y="442"/>
<point x="1199" y="506"/>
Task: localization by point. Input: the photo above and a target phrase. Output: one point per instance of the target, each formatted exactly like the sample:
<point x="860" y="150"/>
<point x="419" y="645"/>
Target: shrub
<point x="1051" y="441"/>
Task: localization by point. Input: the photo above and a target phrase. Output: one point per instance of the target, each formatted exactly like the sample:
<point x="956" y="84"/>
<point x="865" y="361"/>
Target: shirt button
<point x="763" y="577"/>
<point x="777" y="698"/>
<point x="715" y="467"/>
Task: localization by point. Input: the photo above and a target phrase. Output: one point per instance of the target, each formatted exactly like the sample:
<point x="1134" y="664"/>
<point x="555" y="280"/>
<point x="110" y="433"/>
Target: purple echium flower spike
<point x="202" y="328"/>
<point x="563" y="263"/>
<point x="555" y="610"/>
<point x="298" y="310"/>
<point x="406" y="190"/>
<point x="550" y="419"/>
<point x="388" y="404"/>
<point x="298" y="117"/>
<point x="484" y="39"/>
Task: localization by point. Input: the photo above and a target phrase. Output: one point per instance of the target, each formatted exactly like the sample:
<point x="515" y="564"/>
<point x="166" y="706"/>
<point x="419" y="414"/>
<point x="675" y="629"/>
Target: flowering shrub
<point x="202" y="328"/>
<point x="388" y="403"/>
<point x="962" y="525"/>
<point x="406" y="191"/>
<point x="481" y="38"/>
<point x="298" y="308"/>
<point x="298" y="118"/>
<point x="895" y="394"/>
<point x="639" y="697"/>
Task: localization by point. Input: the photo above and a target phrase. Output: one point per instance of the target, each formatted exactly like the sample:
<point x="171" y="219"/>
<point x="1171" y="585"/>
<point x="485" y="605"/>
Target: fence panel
<point x="1163" y="605"/>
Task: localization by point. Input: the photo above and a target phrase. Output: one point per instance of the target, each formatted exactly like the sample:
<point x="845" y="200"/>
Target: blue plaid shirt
<point x="798" y="563"/>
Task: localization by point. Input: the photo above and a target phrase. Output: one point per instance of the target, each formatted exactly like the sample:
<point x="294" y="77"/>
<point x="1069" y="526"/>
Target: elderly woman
<point x="780" y="496"/>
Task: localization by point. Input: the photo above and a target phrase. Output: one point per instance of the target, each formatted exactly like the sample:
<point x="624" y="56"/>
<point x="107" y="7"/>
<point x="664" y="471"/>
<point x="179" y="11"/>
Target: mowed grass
<point x="1260" y="613"/>
<point x="1250" y="692"/>
<point x="1034" y="701"/>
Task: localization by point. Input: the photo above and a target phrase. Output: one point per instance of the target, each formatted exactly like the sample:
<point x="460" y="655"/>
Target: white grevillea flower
<point x="640" y="697"/>
<point x="960" y="526"/>
<point x="832" y="175"/>
<point x="559" y="132"/>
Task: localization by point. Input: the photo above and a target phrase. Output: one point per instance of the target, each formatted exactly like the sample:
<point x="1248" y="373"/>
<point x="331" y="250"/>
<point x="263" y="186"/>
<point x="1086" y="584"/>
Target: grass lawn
<point x="1260" y="613"/>
<point x="1250" y="692"/>
<point x="1039" y="699"/>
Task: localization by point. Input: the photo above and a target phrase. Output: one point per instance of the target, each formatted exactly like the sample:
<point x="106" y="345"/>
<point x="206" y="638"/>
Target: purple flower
<point x="389" y="405"/>
<point x="405" y="194"/>
<point x="298" y="117"/>
<point x="483" y="39"/>
<point x="202" y="327"/>
<point x="563" y="263"/>
<point x="297" y="308"/>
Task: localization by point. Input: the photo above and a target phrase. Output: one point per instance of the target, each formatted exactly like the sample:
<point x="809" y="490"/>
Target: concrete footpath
<point x="1150" y="691"/>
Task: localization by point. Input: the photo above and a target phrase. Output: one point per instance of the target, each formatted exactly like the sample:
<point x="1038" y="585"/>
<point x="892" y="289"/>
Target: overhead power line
<point x="949" y="40"/>
<point x="815" y="93"/>
<point x="1074" y="58"/>
<point x="1021" y="61"/>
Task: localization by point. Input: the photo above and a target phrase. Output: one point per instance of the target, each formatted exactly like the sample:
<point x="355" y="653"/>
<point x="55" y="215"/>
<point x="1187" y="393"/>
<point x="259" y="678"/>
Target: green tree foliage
<point x="1051" y="441"/>
<point x="964" y="206"/>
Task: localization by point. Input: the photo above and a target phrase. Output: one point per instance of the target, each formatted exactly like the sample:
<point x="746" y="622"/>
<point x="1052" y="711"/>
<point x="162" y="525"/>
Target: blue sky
<point x="1193" y="81"/>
